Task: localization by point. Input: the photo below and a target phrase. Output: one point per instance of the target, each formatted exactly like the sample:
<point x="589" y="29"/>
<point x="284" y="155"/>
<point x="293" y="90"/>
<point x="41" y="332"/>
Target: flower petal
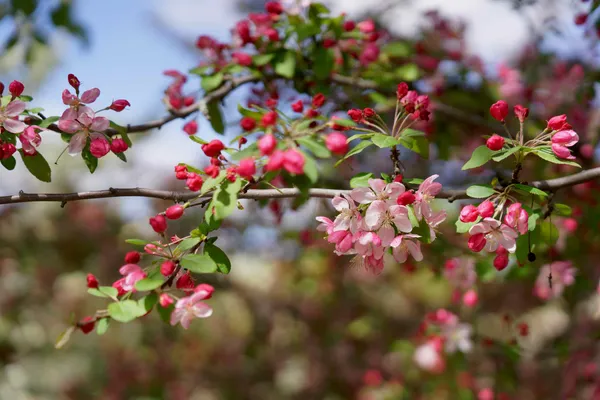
<point x="77" y="143"/>
<point x="15" y="108"/>
<point x="89" y="96"/>
<point x="14" y="126"/>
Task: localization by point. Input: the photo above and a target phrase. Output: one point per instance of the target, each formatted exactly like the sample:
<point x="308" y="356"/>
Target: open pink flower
<point x="428" y="357"/>
<point x="343" y="241"/>
<point x="82" y="124"/>
<point x="403" y="245"/>
<point x="378" y="190"/>
<point x="517" y="218"/>
<point x="563" y="275"/>
<point x="8" y="113"/>
<point x="563" y="139"/>
<point x="87" y="97"/>
<point x="190" y="307"/>
<point x="495" y="234"/>
<point x="427" y="191"/>
<point x="369" y="244"/>
<point x="434" y="220"/>
<point x="326" y="225"/>
<point x="132" y="273"/>
<point x="382" y="217"/>
<point x="31" y="139"/>
<point x="349" y="217"/>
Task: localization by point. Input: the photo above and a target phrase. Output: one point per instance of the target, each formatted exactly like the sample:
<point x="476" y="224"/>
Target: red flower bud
<point x="581" y="19"/>
<point x="16" y="88"/>
<point x="247" y="168"/>
<point x="523" y="329"/>
<point x="118" y="146"/>
<point x="477" y="242"/>
<point x="495" y="142"/>
<point x="499" y="110"/>
<point x="1" y="88"/>
<point x="521" y="112"/>
<point x="92" y="282"/>
<point x="406" y="198"/>
<point x="469" y="214"/>
<point x="402" y="90"/>
<point x="501" y="261"/>
<point x="212" y="170"/>
<point x="272" y="34"/>
<point x="248" y="124"/>
<point x="158" y="223"/>
<point x="399" y="178"/>
<point x="349" y="26"/>
<point x="87" y="324"/>
<point x="99" y="147"/>
<point x="267" y="144"/>
<point x="185" y="282"/>
<point x="337" y="143"/>
<point x="298" y="106"/>
<point x="213" y="148"/>
<point x="191" y="127"/>
<point x="243" y="59"/>
<point x="318" y="100"/>
<point x="174" y="212"/>
<point x="558" y="122"/>
<point x="194" y="182"/>
<point x="165" y="300"/>
<point x="73" y="81"/>
<point x="486" y="209"/>
<point x="273" y="7"/>
<point x="329" y="43"/>
<point x="167" y="268"/>
<point x="242" y="142"/>
<point x="355" y="114"/>
<point x="206" y="288"/>
<point x="132" y="257"/>
<point x="369" y="112"/>
<point x="188" y="101"/>
<point x="119" y="105"/>
<point x="269" y="119"/>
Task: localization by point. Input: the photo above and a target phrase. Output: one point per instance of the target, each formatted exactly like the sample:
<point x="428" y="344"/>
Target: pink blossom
<point x="190" y="307"/>
<point x="428" y="189"/>
<point x="486" y="209"/>
<point x="458" y="337"/>
<point x="461" y="273"/>
<point x="378" y="190"/>
<point x="132" y="273"/>
<point x="563" y="275"/>
<point x="433" y="220"/>
<point x="561" y="140"/>
<point x="495" y="234"/>
<point x="293" y="162"/>
<point x="369" y="244"/>
<point x="343" y="241"/>
<point x="326" y="225"/>
<point x="469" y="213"/>
<point x="403" y="245"/>
<point x="82" y="124"/>
<point x="30" y="139"/>
<point x="88" y="97"/>
<point x="8" y="113"/>
<point x="517" y="218"/>
<point x="349" y="217"/>
<point x="382" y="218"/>
<point x="428" y="357"/>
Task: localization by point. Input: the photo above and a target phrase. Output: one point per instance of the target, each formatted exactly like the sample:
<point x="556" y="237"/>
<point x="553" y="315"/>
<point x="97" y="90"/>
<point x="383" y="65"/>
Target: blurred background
<point x="292" y="320"/>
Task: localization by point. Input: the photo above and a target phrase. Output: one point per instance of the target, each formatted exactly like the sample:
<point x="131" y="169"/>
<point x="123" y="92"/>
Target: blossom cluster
<point x="11" y="108"/>
<point x="377" y="218"/>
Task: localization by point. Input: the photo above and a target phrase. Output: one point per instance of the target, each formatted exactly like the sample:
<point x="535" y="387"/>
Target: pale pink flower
<point x="82" y="124"/>
<point x="461" y="273"/>
<point x="378" y="190"/>
<point x="458" y="337"/>
<point x="30" y="139"/>
<point x="563" y="275"/>
<point x="87" y="97"/>
<point x="427" y="357"/>
<point x="326" y="225"/>
<point x="563" y="139"/>
<point x="427" y="191"/>
<point x="349" y="216"/>
<point x="382" y="217"/>
<point x="190" y="307"/>
<point x="369" y="244"/>
<point x="434" y="220"/>
<point x="496" y="234"/>
<point x="132" y="273"/>
<point x="517" y="218"/>
<point x="343" y="241"/>
<point x="403" y="245"/>
<point x="8" y="113"/>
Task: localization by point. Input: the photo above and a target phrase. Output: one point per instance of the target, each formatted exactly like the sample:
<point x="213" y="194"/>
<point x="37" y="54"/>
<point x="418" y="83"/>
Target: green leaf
<point x="412" y="181"/>
<point x="418" y="144"/>
<point x="212" y="183"/>
<point x="9" y="163"/>
<point x="359" y="136"/>
<point x="548" y="156"/>
<point x="199" y="263"/>
<point x="310" y="168"/>
<point x="532" y="221"/>
<point x="463" y="227"/>
<point x="530" y="190"/>
<point x="384" y="141"/>
<point x="148" y="302"/>
<point x="355" y="150"/>
<point x="216" y="117"/>
<point x="480" y="156"/>
<point x="480" y="191"/>
<point x="90" y="161"/>
<point x="361" y="179"/>
<point x="137" y="242"/>
<point x="37" y="165"/>
<point x="255" y="115"/>
<point x="548" y="232"/>
<point x="165" y="313"/>
<point x="211" y="82"/>
<point x="408" y="72"/>
<point x="345" y="122"/>
<point x="102" y="326"/>
<point x="198" y="140"/>
<point x="286" y="65"/>
<point x="502" y="154"/>
<point x="121" y="156"/>
<point x="219" y="257"/>
<point x="188" y="243"/>
<point x="562" y="210"/>
<point x="315" y="147"/>
<point x="262" y="59"/>
<point x="306" y="30"/>
<point x="125" y="311"/>
<point x="104" y="291"/>
<point x="412" y="133"/>
<point x="324" y="62"/>
<point x="48" y="121"/>
<point x="397" y="49"/>
<point x="224" y="201"/>
<point x="147" y="284"/>
<point x="122" y="131"/>
<point x="64" y="337"/>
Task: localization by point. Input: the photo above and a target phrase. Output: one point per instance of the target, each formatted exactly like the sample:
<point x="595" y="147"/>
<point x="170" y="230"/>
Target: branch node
<point x="112" y="190"/>
<point x="63" y="203"/>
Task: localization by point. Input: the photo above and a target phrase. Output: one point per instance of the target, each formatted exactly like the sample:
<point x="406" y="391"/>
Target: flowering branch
<point x="258" y="194"/>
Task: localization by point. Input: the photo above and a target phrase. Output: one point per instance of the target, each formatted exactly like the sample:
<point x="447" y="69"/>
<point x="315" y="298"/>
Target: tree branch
<point x="257" y="194"/>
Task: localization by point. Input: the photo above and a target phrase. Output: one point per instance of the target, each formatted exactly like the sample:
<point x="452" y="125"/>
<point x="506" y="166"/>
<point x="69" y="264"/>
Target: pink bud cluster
<point x="9" y="122"/>
<point x="380" y="222"/>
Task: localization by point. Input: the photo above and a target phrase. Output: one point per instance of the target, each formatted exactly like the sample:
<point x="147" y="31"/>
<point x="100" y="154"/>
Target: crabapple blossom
<point x="495" y="142"/>
<point x="190" y="307"/>
<point x="132" y="273"/>
<point x="267" y="144"/>
<point x="9" y="114"/>
<point x="382" y="218"/>
<point x="30" y="139"/>
<point x="469" y="213"/>
<point x="165" y="300"/>
<point x="517" y="218"/>
<point x="403" y="245"/>
<point x="99" y="147"/>
<point x="83" y="124"/>
<point x="427" y="191"/>
<point x="87" y="97"/>
<point x="427" y="357"/>
<point x="174" y="212"/>
<point x="167" y="268"/>
<point x="499" y="110"/>
<point x="557" y="123"/>
<point x="92" y="281"/>
<point x="119" y="105"/>
<point x="561" y="140"/>
<point x="336" y="143"/>
<point x="486" y="209"/>
<point x="349" y="217"/>
<point x="158" y="223"/>
<point x="16" y="88"/>
<point x="495" y="234"/>
<point x="118" y="146"/>
<point x="378" y="190"/>
<point x="460" y="273"/>
<point x="132" y="257"/>
<point x="246" y="168"/>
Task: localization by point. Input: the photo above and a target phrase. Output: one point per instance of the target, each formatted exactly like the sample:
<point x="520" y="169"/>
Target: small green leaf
<point x="188" y="243"/>
<point x="361" y="180"/>
<point x="345" y="122"/>
<point x="212" y="183"/>
<point x="549" y="156"/>
<point x="125" y="311"/>
<point x="480" y="156"/>
<point x="562" y="210"/>
<point x="219" y="257"/>
<point x="418" y="144"/>
<point x="548" y="232"/>
<point x="480" y="191"/>
<point x="359" y="136"/>
<point x="64" y="337"/>
<point x="165" y="313"/>
<point x="463" y="227"/>
<point x="530" y="190"/>
<point x="216" y="117"/>
<point x="262" y="59"/>
<point x="397" y="49"/>
<point x="502" y="154"/>
<point x="315" y="147"/>
<point x="384" y="141"/>
<point x="255" y="115"/>
<point x="532" y="221"/>
<point x="355" y="150"/>
<point x="90" y="161"/>
<point x="121" y="156"/>
<point x="147" y="284"/>
<point x="137" y="242"/>
<point x="148" y="302"/>
<point x="102" y="326"/>
<point x="412" y="181"/>
<point x="199" y="263"/>
<point x="37" y="165"/>
<point x="211" y="82"/>
<point x="48" y="121"/>
<point x="310" y="168"/>
<point x="324" y="61"/>
<point x="9" y="163"/>
<point x="286" y="65"/>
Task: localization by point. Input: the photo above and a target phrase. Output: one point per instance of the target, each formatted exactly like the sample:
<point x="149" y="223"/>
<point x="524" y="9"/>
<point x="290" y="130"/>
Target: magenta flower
<point x="378" y="190"/>
<point x="349" y="217"/>
<point x="132" y="273"/>
<point x="190" y="307"/>
<point x="83" y="124"/>
<point x="427" y="191"/>
<point x="517" y="218"/>
<point x="30" y="139"/>
<point x="382" y="217"/>
<point x="88" y="97"/>
<point x="563" y="275"/>
<point x="403" y="245"/>
<point x="563" y="139"/>
<point x="495" y="234"/>
<point x="8" y="113"/>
